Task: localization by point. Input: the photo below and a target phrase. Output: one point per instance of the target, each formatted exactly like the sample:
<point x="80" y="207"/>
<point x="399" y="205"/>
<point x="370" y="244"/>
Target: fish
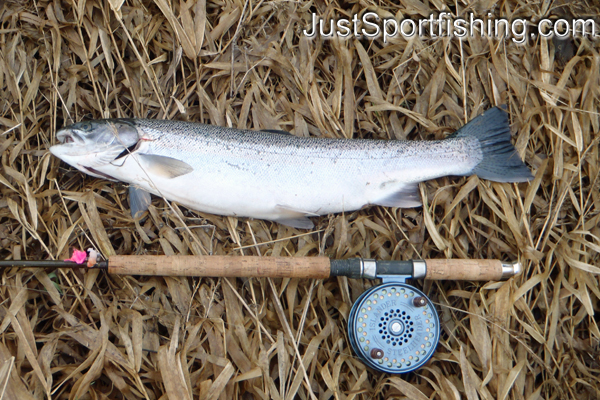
<point x="276" y="176"/>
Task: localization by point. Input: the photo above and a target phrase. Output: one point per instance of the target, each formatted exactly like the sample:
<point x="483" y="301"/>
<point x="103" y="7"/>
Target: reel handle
<point x="470" y="270"/>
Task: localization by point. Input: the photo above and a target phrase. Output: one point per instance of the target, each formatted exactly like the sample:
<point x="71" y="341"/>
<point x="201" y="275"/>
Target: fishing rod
<point x="283" y="267"/>
<point x="393" y="327"/>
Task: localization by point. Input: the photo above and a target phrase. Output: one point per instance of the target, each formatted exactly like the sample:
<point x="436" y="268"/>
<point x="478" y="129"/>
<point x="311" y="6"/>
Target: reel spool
<point x="394" y="328"/>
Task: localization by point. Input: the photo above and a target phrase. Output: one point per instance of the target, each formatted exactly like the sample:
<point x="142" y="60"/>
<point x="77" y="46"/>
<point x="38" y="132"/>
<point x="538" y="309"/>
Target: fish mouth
<point x="65" y="136"/>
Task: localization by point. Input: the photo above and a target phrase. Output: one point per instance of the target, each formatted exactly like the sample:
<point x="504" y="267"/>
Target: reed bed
<point x="247" y="64"/>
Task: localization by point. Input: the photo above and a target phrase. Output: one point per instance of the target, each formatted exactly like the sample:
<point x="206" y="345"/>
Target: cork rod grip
<point x="221" y="266"/>
<point x="468" y="270"/>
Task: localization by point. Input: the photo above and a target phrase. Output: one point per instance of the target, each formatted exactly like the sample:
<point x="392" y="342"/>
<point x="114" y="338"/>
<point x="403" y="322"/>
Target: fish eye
<point x="85" y="126"/>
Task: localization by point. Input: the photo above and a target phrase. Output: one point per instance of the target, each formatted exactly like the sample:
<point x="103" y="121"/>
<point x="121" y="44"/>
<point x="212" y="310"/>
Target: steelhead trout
<point x="281" y="177"/>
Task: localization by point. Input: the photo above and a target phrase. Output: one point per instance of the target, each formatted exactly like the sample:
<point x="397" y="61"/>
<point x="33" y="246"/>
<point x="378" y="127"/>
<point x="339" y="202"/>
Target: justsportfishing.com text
<point x="372" y="26"/>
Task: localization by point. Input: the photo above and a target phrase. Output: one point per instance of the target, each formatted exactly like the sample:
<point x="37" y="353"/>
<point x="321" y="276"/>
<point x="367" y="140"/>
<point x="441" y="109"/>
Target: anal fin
<point x="406" y="197"/>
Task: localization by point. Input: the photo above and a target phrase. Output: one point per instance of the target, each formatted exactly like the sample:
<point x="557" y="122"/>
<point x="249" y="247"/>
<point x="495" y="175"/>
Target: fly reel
<point x="394" y="328"/>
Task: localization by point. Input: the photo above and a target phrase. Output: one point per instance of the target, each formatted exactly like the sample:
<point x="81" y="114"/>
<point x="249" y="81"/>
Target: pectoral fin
<point x="139" y="200"/>
<point x="166" y="167"/>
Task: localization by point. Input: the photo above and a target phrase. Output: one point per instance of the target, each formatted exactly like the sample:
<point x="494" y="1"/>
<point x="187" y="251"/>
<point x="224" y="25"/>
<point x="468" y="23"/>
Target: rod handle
<point x="469" y="270"/>
<point x="221" y="266"/>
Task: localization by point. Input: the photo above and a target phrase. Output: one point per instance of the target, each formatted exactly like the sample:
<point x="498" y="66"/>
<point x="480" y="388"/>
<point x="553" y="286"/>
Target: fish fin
<point x="294" y="212"/>
<point x="164" y="166"/>
<point x="406" y="197"/>
<point x="501" y="162"/>
<point x="278" y="131"/>
<point x="294" y="218"/>
<point x="139" y="200"/>
<point x="300" y="222"/>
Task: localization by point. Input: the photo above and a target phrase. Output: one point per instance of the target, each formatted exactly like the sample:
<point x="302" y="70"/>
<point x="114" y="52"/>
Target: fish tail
<point x="501" y="162"/>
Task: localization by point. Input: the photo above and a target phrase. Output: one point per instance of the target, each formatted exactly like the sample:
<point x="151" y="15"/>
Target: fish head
<point x="90" y="145"/>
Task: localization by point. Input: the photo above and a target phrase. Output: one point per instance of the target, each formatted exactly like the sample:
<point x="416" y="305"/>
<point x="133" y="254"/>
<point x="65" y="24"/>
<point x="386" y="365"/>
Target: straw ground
<point x="247" y="64"/>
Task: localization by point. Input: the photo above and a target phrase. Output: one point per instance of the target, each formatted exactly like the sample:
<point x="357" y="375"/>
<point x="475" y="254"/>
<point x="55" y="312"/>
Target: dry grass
<point x="247" y="65"/>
